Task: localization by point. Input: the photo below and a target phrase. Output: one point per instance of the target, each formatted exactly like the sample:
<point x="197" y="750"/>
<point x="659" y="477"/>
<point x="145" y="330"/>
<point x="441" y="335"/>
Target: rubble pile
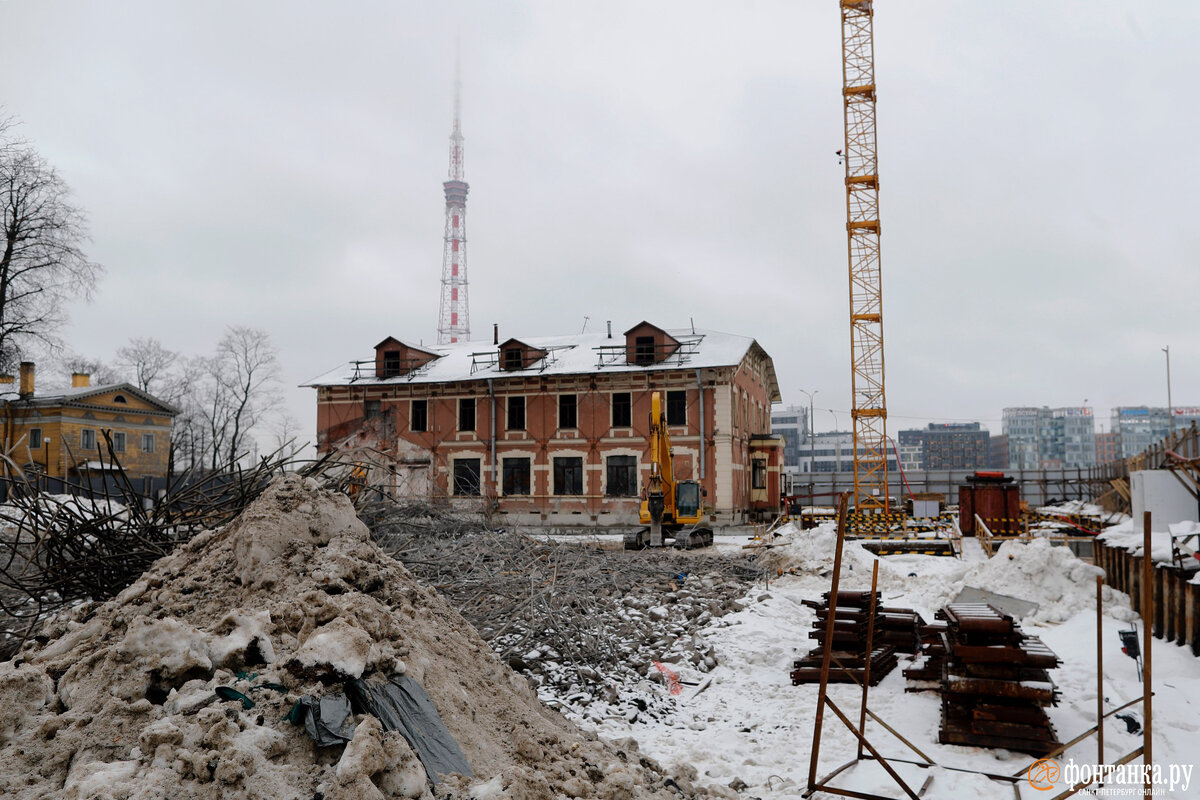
<point x="567" y="613"/>
<point x="182" y="685"/>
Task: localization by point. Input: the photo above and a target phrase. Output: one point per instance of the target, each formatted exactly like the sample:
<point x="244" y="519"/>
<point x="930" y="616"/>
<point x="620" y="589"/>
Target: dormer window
<point x="516" y="355"/>
<point x="643" y="350"/>
<point x="647" y="345"/>
<point x="394" y="358"/>
<point x="513" y="359"/>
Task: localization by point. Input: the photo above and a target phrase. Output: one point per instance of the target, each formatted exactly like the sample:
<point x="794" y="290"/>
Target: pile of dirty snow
<point x="120" y="699"/>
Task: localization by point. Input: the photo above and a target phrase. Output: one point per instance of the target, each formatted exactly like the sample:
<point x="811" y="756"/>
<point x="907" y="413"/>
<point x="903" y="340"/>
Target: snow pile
<point x="1182" y="535"/>
<point x="1051" y="576"/>
<point x="119" y="700"/>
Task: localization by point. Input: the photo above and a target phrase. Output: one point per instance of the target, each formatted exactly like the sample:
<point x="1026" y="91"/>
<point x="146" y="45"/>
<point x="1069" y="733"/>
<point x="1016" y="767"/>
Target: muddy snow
<point x="120" y="699"/>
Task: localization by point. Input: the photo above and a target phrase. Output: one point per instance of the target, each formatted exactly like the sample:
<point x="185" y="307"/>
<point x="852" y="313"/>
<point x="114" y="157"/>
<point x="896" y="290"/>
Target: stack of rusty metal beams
<point x="933" y="646"/>
<point x="894" y="631"/>
<point x="995" y="682"/>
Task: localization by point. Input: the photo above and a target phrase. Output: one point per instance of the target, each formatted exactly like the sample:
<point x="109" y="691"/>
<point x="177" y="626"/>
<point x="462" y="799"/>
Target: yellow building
<point x="61" y="435"/>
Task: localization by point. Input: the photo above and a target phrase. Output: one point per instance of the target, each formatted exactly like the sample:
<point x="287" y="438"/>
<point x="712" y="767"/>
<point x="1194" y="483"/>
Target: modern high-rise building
<point x="1141" y="427"/>
<point x="1050" y="438"/>
<point x="792" y="424"/>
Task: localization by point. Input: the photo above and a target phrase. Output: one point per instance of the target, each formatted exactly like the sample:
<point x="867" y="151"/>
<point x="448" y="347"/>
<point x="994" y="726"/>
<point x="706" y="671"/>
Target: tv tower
<point x="454" y="323"/>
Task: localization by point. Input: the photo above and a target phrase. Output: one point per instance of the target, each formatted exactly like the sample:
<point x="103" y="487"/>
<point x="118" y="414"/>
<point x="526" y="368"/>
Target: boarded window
<point x="466" y="477"/>
<point x="466" y="414"/>
<point x="622" y="410"/>
<point x="622" y="476"/>
<point x="516" y="413"/>
<point x="677" y="408"/>
<point x="568" y="411"/>
<point x="420" y="416"/>
<point x="515" y="475"/>
<point x="568" y="475"/>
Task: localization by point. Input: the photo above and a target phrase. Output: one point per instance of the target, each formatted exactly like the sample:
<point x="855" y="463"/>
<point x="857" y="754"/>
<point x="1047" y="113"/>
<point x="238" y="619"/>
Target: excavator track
<point x="694" y="538"/>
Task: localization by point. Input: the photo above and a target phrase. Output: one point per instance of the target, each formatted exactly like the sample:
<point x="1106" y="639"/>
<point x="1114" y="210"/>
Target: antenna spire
<point x="454" y="317"/>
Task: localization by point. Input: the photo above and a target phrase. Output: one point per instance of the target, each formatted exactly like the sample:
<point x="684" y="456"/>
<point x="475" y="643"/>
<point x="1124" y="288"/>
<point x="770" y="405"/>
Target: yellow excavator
<point x="671" y="508"/>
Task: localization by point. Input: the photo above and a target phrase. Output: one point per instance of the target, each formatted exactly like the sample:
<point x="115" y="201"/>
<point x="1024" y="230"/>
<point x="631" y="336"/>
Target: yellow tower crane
<point x="862" y="233"/>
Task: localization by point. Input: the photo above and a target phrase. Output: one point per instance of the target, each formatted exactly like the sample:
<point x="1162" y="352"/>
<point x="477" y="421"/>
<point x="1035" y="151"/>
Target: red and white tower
<point x="454" y="322"/>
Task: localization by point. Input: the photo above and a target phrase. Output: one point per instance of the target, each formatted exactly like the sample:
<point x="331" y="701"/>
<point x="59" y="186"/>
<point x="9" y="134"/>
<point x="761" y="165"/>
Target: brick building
<point x="555" y="430"/>
<point x="60" y="434"/>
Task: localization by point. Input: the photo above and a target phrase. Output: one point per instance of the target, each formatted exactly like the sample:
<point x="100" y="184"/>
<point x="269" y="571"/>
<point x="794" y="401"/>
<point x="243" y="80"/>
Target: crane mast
<point x="862" y="233"/>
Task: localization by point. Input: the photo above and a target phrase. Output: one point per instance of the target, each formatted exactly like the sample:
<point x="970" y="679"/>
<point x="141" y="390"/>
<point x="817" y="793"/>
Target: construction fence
<point x="1176" y="611"/>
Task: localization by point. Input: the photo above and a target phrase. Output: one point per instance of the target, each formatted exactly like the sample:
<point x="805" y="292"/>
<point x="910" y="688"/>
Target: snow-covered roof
<point x="577" y="354"/>
<point x="76" y="394"/>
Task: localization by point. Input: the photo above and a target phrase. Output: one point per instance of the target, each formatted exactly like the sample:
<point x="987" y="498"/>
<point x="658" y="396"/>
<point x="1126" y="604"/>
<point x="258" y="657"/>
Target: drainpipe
<point x="492" y="432"/>
<point x="700" y="386"/>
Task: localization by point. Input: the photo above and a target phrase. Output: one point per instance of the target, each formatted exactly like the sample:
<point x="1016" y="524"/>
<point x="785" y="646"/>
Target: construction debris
<point x="120" y="699"/>
<point x="565" y="613"/>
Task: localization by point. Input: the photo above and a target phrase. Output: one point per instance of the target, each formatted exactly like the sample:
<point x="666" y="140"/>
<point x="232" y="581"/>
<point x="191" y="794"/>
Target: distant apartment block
<point x="1050" y="438"/>
<point x="946" y="445"/>
<point x="998" y="452"/>
<point x="1108" y="447"/>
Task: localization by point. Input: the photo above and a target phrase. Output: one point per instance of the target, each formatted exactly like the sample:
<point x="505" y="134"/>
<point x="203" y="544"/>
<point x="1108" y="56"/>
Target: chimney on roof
<point x="26" y="390"/>
<point x="80" y="380"/>
<point x="610" y="329"/>
<point x="495" y="333"/>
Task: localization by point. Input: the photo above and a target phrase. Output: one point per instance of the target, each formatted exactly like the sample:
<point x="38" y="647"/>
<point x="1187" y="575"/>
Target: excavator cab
<point x="687" y="502"/>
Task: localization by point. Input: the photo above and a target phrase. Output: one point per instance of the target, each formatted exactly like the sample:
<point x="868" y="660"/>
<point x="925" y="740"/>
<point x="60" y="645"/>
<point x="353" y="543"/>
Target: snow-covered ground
<point x="749" y="724"/>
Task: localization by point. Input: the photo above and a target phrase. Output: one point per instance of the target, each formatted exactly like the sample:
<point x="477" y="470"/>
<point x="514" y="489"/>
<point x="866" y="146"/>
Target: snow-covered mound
<point x="119" y="700"/>
<point x="1052" y="577"/>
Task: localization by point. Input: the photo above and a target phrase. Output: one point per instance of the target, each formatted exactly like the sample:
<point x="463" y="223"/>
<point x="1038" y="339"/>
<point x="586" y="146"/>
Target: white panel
<point x="1161" y="493"/>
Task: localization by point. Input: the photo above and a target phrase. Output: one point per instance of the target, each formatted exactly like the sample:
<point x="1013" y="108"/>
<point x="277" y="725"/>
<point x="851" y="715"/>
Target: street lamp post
<point x="1170" y="408"/>
<point x="812" y="449"/>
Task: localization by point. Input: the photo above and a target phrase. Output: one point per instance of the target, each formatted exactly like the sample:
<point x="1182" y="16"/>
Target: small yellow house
<point x="61" y="434"/>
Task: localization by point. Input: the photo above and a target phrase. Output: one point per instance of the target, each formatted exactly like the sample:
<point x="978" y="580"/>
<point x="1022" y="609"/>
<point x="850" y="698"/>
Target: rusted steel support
<point x="1147" y="643"/>
<point x="828" y="651"/>
<point x="862" y="740"/>
<point x="866" y="684"/>
<point x="1100" y="669"/>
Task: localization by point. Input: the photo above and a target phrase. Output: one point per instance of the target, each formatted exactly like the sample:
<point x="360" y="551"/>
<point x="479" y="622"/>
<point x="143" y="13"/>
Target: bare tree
<point x="100" y="372"/>
<point x="151" y="365"/>
<point x="42" y="264"/>
<point x="239" y="390"/>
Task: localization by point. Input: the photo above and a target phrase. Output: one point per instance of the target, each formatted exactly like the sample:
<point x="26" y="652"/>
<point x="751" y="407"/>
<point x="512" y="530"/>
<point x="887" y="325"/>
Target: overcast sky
<point x="279" y="165"/>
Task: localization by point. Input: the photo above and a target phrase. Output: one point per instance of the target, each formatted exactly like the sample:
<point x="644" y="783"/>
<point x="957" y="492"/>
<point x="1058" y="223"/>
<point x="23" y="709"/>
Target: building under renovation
<point x="555" y="431"/>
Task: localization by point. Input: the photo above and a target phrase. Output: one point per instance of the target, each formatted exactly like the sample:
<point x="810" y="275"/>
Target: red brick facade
<point x="523" y="429"/>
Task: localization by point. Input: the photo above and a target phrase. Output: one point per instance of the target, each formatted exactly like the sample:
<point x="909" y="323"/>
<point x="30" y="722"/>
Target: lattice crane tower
<point x="454" y="321"/>
<point x="862" y="231"/>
